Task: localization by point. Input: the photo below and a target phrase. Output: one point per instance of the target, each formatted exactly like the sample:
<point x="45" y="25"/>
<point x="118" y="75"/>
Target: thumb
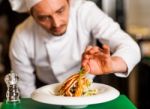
<point x="106" y="49"/>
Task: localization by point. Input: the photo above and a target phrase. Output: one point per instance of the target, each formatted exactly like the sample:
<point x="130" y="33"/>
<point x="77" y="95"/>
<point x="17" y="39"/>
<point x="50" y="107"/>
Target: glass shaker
<point x="12" y="94"/>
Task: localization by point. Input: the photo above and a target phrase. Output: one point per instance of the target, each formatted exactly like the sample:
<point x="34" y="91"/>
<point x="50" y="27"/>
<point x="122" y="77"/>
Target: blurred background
<point x="133" y="17"/>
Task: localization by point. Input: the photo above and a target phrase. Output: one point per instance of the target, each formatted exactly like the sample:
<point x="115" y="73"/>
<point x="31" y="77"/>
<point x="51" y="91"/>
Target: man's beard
<point x="58" y="34"/>
<point x="54" y="32"/>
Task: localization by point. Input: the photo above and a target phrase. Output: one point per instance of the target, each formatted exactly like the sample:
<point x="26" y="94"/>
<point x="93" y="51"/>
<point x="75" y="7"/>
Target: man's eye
<point x="43" y="18"/>
<point x="60" y="11"/>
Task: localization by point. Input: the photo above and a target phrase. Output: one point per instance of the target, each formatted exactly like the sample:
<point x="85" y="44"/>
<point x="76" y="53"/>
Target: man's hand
<point x="98" y="61"/>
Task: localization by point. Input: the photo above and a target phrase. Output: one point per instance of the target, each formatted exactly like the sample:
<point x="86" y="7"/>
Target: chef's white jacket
<point x="33" y="49"/>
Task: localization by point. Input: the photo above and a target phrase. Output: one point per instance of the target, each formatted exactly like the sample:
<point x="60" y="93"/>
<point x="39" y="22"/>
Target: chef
<point x="59" y="37"/>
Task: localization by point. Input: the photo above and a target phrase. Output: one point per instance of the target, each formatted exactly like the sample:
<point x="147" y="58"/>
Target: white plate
<point x="46" y="94"/>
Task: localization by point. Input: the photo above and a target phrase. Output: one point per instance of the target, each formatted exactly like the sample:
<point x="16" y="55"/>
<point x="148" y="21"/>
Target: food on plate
<point x="77" y="85"/>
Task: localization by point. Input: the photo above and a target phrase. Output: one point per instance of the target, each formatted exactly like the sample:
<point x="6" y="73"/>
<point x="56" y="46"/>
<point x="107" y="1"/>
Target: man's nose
<point x="56" y="22"/>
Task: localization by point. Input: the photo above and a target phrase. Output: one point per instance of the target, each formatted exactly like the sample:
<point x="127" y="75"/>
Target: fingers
<point x="88" y="54"/>
<point x="106" y="49"/>
<point x="88" y="48"/>
<point x="95" y="49"/>
<point x="85" y="58"/>
<point x="92" y="51"/>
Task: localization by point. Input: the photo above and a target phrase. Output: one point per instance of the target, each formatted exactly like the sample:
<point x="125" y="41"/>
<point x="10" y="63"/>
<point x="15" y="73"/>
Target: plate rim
<point x="90" y="99"/>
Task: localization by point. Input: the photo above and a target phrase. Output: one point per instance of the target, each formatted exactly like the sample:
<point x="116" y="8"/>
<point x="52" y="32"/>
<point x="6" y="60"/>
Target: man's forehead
<point x="52" y="1"/>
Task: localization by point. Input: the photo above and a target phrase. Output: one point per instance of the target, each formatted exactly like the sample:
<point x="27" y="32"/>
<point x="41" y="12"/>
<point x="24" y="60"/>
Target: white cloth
<point x="34" y="49"/>
<point x="22" y="5"/>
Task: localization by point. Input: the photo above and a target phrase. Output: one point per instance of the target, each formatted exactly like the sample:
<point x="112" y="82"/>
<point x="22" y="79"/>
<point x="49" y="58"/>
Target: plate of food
<point x="76" y="92"/>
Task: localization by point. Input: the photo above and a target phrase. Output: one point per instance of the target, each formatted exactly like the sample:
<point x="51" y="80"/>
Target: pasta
<point x="77" y="85"/>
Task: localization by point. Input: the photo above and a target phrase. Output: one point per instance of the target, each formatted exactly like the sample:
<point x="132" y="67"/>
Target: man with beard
<point x="58" y="38"/>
